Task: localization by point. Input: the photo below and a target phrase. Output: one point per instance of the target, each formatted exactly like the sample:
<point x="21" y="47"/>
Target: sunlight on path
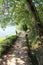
<point x="17" y="54"/>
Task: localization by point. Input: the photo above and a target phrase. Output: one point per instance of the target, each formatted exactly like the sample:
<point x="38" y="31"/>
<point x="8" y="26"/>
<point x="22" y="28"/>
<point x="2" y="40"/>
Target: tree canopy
<point x="17" y="11"/>
<point x="20" y="12"/>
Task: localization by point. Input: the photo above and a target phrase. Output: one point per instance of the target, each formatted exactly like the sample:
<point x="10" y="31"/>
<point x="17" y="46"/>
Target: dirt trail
<point x="18" y="53"/>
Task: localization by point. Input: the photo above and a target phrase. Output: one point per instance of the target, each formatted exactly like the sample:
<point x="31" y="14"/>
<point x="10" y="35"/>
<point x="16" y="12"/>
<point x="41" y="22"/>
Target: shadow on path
<point x="18" y="53"/>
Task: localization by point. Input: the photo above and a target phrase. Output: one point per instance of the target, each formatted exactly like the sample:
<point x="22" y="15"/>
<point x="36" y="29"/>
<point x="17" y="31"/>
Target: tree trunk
<point x="39" y="25"/>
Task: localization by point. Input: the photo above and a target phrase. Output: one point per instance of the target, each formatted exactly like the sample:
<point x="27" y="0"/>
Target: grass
<point x="2" y="39"/>
<point x="7" y="42"/>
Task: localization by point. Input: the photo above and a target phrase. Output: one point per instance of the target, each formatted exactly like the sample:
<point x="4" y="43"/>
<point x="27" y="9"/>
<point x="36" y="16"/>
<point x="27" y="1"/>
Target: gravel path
<point x="17" y="54"/>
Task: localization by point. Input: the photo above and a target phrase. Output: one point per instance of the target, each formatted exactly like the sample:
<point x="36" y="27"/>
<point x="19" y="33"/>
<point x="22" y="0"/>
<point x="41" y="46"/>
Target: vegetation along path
<point x="18" y="53"/>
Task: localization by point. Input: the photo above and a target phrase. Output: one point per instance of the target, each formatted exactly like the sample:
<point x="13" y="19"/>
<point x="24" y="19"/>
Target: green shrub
<point x="7" y="43"/>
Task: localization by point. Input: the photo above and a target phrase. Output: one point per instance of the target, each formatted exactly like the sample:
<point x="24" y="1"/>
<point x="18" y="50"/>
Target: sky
<point x="9" y="30"/>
